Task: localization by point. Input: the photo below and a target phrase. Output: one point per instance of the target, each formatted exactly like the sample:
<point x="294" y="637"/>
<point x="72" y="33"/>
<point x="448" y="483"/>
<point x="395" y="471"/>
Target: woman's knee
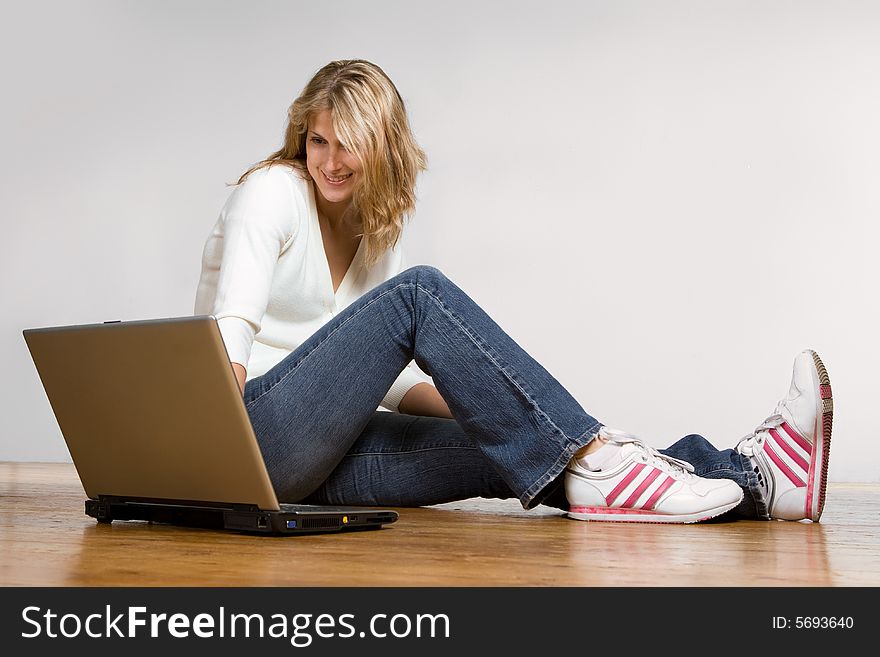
<point x="424" y="274"/>
<point x="692" y="441"/>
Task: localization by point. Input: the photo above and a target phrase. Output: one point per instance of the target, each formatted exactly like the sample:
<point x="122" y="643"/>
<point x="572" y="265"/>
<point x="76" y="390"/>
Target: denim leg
<point x="409" y="460"/>
<point x="310" y="409"/>
<point x="711" y="463"/>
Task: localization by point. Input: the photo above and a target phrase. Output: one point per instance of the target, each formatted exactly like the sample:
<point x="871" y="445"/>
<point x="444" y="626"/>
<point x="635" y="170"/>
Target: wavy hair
<point x="370" y="118"/>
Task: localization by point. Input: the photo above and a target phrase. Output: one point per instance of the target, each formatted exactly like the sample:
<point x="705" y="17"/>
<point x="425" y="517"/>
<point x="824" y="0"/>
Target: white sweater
<point x="266" y="279"/>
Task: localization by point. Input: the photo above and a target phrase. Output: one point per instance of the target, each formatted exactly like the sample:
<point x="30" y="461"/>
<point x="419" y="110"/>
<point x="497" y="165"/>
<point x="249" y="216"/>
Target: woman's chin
<point x="335" y="195"/>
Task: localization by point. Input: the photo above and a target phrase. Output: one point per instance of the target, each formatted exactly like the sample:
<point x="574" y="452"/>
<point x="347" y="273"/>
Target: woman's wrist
<point x="240" y="375"/>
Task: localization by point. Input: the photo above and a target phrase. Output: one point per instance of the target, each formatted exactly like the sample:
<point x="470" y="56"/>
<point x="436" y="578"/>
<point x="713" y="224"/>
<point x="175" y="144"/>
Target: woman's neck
<point x="337" y="215"/>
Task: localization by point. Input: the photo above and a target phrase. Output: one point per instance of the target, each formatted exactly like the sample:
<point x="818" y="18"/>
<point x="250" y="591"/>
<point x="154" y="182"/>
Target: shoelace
<point x="653" y="456"/>
<point x="751" y="444"/>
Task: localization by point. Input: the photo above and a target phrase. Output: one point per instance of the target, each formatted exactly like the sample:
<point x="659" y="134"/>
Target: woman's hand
<point x="423" y="399"/>
<point x="240" y="375"/>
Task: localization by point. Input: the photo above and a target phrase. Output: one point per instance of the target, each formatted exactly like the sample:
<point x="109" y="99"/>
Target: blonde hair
<point x="370" y="118"/>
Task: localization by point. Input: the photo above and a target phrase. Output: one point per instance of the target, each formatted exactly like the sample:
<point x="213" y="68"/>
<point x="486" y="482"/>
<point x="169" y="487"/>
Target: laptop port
<point x="291" y="524"/>
<point x="262" y="522"/>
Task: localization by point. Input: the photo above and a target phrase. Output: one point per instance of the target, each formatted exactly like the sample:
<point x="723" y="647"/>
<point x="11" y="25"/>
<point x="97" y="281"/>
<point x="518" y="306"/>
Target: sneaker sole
<point x="818" y="474"/>
<point x="605" y="514"/>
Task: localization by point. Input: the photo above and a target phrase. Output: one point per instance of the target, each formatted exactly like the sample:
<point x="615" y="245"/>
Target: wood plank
<point x="46" y="540"/>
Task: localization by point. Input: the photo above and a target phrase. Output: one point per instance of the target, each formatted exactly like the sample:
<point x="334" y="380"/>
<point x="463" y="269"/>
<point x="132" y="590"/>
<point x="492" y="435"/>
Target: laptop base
<point x="292" y="519"/>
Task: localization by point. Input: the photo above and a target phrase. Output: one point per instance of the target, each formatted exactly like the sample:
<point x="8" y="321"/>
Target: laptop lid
<point x="151" y="409"/>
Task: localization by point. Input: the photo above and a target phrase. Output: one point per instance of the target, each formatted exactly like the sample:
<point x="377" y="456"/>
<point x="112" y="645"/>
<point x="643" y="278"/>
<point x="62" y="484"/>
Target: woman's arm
<point x="423" y="399"/>
<point x="258" y="222"/>
<point x="240" y="375"/>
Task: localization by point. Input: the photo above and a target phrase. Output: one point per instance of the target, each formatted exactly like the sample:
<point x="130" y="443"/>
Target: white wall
<point x="662" y="201"/>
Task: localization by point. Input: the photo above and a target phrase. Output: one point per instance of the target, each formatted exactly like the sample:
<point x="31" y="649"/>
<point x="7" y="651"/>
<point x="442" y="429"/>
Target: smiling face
<point x="333" y="168"/>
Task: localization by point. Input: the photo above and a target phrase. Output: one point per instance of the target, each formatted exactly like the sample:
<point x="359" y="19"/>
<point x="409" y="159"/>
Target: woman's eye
<point x="320" y="141"/>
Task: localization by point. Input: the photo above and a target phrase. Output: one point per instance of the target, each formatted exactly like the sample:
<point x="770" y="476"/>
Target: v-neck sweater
<point x="266" y="278"/>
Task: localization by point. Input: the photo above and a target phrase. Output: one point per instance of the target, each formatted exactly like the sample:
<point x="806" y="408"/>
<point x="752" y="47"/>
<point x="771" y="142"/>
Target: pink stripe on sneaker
<point x="798" y="438"/>
<point x="797" y="458"/>
<point x="609" y="499"/>
<point x="781" y="465"/>
<point x="825" y="391"/>
<point x="657" y="493"/>
<point x="637" y="493"/>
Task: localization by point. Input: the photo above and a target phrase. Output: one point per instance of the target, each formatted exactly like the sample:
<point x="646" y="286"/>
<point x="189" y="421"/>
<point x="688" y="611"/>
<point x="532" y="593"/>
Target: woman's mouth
<point x="336" y="180"/>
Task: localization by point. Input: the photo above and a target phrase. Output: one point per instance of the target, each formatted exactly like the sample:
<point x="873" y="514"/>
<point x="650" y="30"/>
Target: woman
<point x="321" y="320"/>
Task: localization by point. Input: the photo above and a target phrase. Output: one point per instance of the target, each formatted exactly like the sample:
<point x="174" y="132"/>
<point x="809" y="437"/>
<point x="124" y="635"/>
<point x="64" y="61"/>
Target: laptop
<point x="157" y="429"/>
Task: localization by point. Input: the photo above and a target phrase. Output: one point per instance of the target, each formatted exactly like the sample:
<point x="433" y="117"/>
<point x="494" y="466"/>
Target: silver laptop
<point x="157" y="428"/>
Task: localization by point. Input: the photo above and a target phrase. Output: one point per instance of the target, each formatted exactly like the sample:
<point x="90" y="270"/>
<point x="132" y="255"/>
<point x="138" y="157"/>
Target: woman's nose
<point x="333" y="159"/>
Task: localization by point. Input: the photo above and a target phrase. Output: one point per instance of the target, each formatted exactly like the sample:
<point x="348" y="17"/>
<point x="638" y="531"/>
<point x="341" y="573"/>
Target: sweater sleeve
<point x="407" y="379"/>
<point x="257" y="224"/>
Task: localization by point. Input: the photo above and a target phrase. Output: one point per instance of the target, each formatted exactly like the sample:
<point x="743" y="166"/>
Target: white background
<point x="663" y="202"/>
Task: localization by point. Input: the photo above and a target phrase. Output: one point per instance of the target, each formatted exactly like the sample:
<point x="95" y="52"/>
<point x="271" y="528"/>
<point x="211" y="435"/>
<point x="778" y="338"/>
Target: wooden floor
<point x="46" y="540"/>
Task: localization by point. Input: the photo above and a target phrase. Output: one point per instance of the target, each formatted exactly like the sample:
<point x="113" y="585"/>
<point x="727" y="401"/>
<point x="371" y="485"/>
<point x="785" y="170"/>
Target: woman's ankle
<point x="597" y="443"/>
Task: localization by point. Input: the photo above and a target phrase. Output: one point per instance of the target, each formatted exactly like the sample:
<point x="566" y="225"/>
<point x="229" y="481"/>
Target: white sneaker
<point x="791" y="446"/>
<point x="645" y="486"/>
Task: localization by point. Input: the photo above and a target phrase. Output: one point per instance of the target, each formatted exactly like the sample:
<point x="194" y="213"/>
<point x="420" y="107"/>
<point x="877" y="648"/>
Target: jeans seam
<point x="720" y="467"/>
<point x="412" y="451"/>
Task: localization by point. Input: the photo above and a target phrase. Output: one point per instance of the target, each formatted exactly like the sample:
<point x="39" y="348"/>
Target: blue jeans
<point x="515" y="427"/>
